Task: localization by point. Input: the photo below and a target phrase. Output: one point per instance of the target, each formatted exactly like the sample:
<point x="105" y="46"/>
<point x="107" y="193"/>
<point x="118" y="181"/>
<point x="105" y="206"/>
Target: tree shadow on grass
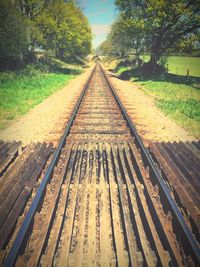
<point x="61" y="67"/>
<point x="165" y="77"/>
<point x="68" y="71"/>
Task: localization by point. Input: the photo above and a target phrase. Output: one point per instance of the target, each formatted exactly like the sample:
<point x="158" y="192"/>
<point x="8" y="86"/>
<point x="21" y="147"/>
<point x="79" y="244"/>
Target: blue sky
<point x="101" y="14"/>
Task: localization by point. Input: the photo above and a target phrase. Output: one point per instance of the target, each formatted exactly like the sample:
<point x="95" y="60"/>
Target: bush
<point x="30" y="70"/>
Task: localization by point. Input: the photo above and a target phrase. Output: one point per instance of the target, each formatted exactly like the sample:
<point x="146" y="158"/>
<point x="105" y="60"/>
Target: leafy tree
<point x="189" y="45"/>
<point x="106" y="47"/>
<point x="118" y="42"/>
<point x="65" y="30"/>
<point x="57" y="26"/>
<point x="29" y="8"/>
<point x="118" y="37"/>
<point x="13" y="34"/>
<point x="127" y="35"/>
<point x="164" y="22"/>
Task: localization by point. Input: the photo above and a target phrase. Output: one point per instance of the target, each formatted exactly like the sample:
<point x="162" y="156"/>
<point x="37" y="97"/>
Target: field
<point x="177" y="97"/>
<point x="179" y="65"/>
<point x="19" y="92"/>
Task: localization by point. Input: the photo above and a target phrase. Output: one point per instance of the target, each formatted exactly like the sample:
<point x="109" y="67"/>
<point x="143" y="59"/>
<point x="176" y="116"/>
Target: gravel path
<point x="46" y="121"/>
<point x="150" y="122"/>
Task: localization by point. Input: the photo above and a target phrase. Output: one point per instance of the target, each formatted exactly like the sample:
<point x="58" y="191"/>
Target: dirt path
<point x="46" y="121"/>
<point x="150" y="122"/>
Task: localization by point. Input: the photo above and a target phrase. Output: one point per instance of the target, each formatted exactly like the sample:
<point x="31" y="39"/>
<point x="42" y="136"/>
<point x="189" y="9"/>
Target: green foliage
<point x="30" y="8"/>
<point x="118" y="36"/>
<point x="13" y="35"/>
<point x="125" y="36"/>
<point x="106" y="47"/>
<point x="121" y="69"/>
<point x="189" y="45"/>
<point x="64" y="29"/>
<point x="58" y="27"/>
<point x="163" y="22"/>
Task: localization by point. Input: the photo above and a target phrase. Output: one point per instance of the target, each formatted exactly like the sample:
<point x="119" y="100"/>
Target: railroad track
<point x="102" y="201"/>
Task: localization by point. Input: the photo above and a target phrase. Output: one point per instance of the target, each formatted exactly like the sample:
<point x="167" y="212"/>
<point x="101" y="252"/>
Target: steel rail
<point x="15" y="249"/>
<point x="14" y="252"/>
<point x="187" y="234"/>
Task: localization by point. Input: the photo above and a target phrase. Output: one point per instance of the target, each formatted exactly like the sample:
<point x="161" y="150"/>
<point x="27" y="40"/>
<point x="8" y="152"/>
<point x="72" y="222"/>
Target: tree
<point x="56" y="26"/>
<point x="13" y="34"/>
<point x="118" y="38"/>
<point x="29" y="8"/>
<point x="105" y="48"/>
<point x="127" y="35"/>
<point x="189" y="45"/>
<point x="65" y="30"/>
<point x="164" y="22"/>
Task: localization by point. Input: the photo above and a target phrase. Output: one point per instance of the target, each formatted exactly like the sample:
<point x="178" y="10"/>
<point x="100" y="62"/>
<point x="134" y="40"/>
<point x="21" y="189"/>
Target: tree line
<point x="156" y="27"/>
<point x="56" y="27"/>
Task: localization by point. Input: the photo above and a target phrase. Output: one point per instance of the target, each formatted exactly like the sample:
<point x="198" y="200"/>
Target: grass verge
<point x="180" y="102"/>
<point x="177" y="96"/>
<point x="21" y="91"/>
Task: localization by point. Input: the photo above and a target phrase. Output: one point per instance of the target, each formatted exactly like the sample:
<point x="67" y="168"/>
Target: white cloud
<point x="100" y="29"/>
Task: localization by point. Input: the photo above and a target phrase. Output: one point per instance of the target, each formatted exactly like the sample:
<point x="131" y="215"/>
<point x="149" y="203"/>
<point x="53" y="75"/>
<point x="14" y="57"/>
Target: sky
<point x="101" y="14"/>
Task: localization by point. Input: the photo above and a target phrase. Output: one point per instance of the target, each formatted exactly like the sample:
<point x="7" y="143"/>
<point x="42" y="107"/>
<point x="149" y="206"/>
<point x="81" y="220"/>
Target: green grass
<point x="121" y="69"/>
<point x="58" y="65"/>
<point x="179" y="64"/>
<point x="177" y="96"/>
<point x="19" y="92"/>
<point x="180" y="102"/>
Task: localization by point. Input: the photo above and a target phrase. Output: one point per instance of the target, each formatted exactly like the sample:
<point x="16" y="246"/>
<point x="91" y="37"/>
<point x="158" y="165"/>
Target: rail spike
<point x="191" y="243"/>
<point x="185" y="232"/>
<point x="15" y="249"/>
